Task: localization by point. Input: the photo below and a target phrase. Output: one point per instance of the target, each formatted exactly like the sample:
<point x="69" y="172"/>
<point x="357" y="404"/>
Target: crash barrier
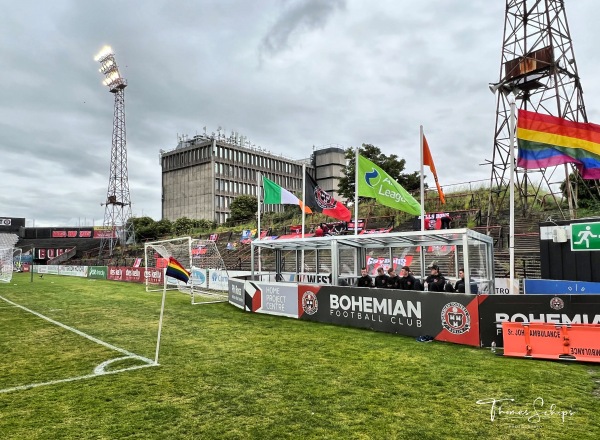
<point x="577" y="342"/>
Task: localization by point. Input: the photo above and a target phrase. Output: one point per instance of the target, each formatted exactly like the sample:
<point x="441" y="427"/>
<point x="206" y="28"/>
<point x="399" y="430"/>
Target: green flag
<point x="375" y="183"/>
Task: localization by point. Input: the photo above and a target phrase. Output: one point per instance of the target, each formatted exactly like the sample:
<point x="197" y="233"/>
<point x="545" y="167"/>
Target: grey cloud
<point x="301" y="16"/>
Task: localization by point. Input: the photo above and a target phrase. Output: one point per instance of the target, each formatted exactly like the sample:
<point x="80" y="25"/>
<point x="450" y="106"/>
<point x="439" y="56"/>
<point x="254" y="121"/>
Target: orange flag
<point x="428" y="161"/>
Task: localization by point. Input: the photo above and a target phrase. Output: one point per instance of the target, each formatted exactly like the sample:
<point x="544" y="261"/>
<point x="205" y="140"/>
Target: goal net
<point x="209" y="279"/>
<point x="6" y="264"/>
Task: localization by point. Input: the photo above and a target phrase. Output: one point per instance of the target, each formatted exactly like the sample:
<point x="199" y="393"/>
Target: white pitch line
<point x="72" y="379"/>
<point x="79" y="332"/>
<point x="98" y="371"/>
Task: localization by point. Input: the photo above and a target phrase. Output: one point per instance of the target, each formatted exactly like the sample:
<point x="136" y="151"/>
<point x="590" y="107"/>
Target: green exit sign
<point x="585" y="236"/>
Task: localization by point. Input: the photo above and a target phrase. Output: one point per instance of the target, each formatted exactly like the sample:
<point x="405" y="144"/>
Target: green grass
<point x="229" y="374"/>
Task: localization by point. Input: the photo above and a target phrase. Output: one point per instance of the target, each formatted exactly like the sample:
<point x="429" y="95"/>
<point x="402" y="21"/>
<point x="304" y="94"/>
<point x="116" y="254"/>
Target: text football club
<point x="412" y="313"/>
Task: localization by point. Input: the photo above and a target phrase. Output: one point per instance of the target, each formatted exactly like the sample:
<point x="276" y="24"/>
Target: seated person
<point x="393" y="281"/>
<point x="381" y="278"/>
<point x="407" y="280"/>
<point x="319" y="232"/>
<point x="435" y="281"/>
<point x="365" y="279"/>
<point x="460" y="284"/>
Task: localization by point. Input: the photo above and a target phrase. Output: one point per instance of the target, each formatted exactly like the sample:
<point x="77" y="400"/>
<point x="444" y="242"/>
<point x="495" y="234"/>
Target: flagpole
<point x="160" y="320"/>
<point x="258" y="176"/>
<point x="356" y="191"/>
<point x="303" y="197"/>
<point x="422" y="182"/>
<point x="258" y="191"/>
<point x="421" y="250"/>
<point x="511" y="234"/>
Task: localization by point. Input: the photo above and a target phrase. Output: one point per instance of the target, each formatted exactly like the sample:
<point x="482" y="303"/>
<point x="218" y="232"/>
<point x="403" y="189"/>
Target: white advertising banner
<point x="73" y="271"/>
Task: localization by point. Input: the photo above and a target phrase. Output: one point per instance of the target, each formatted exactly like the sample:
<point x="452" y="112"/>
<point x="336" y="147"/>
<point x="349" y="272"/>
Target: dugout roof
<point x="442" y="237"/>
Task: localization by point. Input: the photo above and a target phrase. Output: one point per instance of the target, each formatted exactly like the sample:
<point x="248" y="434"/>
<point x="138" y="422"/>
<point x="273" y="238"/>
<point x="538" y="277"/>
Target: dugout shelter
<point x="338" y="259"/>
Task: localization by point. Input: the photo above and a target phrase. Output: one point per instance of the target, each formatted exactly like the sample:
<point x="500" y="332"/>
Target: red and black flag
<point x="321" y="201"/>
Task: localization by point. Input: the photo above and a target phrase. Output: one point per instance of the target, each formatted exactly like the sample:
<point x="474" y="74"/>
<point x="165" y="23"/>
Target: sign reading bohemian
<point x="445" y="316"/>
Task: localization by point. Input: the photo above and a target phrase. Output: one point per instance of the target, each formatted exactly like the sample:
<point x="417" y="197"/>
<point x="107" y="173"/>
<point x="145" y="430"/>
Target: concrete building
<point x="202" y="175"/>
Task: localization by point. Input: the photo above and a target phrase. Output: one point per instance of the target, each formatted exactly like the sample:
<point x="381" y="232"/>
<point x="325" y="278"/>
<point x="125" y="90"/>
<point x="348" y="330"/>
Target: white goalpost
<point x="209" y="278"/>
<point x="6" y="264"/>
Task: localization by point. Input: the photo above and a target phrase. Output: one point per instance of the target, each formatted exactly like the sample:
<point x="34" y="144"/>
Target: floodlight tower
<point x="537" y="70"/>
<point x="118" y="203"/>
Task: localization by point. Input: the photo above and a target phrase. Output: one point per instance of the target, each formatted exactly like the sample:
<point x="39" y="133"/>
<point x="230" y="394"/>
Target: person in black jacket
<point x="460" y="284"/>
<point x="393" y="281"/>
<point x="365" y="280"/>
<point x="435" y="281"/>
<point x="381" y="278"/>
<point x="407" y="280"/>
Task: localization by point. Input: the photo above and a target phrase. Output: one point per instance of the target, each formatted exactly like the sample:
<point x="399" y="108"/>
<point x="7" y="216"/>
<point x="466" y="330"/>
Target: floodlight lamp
<point x="107" y="65"/>
<point x="104" y="53"/>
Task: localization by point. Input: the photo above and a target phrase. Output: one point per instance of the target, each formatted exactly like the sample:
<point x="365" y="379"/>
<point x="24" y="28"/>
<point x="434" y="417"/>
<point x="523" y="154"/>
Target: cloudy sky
<point x="288" y="74"/>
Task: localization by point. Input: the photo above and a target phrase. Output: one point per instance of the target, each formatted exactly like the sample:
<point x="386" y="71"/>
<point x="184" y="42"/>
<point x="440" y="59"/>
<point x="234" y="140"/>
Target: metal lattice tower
<point x="118" y="203"/>
<point x="538" y="68"/>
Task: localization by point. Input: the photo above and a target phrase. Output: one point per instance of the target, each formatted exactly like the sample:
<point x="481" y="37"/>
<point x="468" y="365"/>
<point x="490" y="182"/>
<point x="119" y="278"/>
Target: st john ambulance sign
<point x="585" y="236"/>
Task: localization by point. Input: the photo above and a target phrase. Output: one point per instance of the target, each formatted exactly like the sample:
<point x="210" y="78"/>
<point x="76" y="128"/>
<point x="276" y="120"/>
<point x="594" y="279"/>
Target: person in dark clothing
<point x="381" y="278"/>
<point x="460" y="284"/>
<point x="435" y="281"/>
<point x="407" y="280"/>
<point x="445" y="221"/>
<point x="365" y="280"/>
<point x="393" y="281"/>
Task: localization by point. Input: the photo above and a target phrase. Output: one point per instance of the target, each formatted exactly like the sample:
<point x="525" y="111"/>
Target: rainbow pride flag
<point x="177" y="271"/>
<point x="546" y="141"/>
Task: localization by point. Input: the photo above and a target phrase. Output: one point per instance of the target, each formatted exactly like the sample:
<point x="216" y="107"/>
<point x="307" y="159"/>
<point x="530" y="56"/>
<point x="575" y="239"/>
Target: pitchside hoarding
<point x="553" y="287"/>
<point x="236" y="294"/>
<point x="451" y="317"/>
<point x="135" y="274"/>
<point x="74" y="271"/>
<point x="564" y="309"/>
<point x="97" y="272"/>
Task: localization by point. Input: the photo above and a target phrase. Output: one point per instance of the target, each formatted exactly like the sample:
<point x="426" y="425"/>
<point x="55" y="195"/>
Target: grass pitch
<point x="228" y="374"/>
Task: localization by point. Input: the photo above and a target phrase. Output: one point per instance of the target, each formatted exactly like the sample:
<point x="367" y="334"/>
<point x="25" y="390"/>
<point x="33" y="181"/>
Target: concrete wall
<point x="329" y="164"/>
<point x="188" y="192"/>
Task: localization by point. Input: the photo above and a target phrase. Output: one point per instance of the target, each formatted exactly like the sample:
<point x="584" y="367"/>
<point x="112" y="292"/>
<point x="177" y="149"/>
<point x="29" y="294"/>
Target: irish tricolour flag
<point x="276" y="195"/>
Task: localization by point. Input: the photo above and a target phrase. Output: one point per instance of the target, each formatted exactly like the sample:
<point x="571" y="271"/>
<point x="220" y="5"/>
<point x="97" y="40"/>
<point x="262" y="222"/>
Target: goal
<point x="208" y="282"/>
<point x="6" y="264"/>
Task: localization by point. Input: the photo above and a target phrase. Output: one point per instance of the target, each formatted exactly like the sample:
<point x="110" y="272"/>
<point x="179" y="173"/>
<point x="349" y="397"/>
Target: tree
<point x="390" y="164"/>
<point x="144" y="227"/>
<point x="243" y="208"/>
<point x="164" y="227"/>
<point x="586" y="191"/>
<point x="183" y="226"/>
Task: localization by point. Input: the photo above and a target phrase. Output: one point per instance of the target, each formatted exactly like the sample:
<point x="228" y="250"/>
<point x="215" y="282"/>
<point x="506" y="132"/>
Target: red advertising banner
<point x="154" y="276"/>
<point x="59" y="234"/>
<point x="85" y="234"/>
<point x="134" y="274"/>
<point x="373" y="263"/>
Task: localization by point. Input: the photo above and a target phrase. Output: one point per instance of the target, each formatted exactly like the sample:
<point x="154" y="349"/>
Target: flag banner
<point x="428" y="161"/>
<point x="177" y="271"/>
<point x="276" y="195"/>
<point x="375" y="183"/>
<point x="546" y="141"/>
<point x="321" y="201"/>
